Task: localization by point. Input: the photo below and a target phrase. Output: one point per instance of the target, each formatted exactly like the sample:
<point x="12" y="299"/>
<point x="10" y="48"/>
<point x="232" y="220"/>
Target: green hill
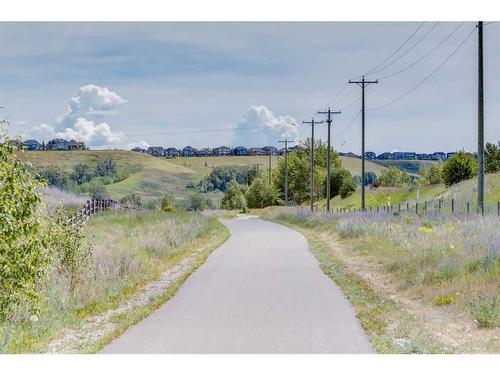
<point x="151" y="177"/>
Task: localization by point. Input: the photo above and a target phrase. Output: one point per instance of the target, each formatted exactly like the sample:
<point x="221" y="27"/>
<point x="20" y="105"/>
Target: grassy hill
<point x="151" y="176"/>
<point x="410" y="166"/>
<point x="463" y="192"/>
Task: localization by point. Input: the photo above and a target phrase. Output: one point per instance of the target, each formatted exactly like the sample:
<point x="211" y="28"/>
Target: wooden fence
<point x="451" y="206"/>
<point x="93" y="206"/>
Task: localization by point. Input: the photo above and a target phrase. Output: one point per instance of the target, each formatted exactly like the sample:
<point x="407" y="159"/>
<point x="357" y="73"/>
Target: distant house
<point x="439" y="156"/>
<point x="270" y="150"/>
<point x="138" y="149"/>
<point x="223" y="151"/>
<point x="74" y="145"/>
<point x="255" y="151"/>
<point x="424" y="156"/>
<point x="206" y="151"/>
<point x="57" y="144"/>
<point x="370" y="155"/>
<point x="404" y="155"/>
<point x="32" y="145"/>
<point x="155" y="151"/>
<point x="240" y="151"/>
<point x="349" y="154"/>
<point x="450" y="154"/>
<point x="189" y="151"/>
<point x="171" y="152"/>
<point x="385" y="156"/>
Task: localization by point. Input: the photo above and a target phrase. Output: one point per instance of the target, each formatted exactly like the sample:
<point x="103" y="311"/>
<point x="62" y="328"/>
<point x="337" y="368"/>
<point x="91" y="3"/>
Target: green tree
<point x="348" y="187"/>
<point x="460" y="167"/>
<point x="23" y="241"/>
<point x="260" y="194"/>
<point x="394" y="177"/>
<point x="197" y="202"/>
<point x="105" y="166"/>
<point x="234" y="197"/>
<point x="432" y="175"/>
<point x="81" y="173"/>
<point x="340" y="180"/>
<point x="492" y="158"/>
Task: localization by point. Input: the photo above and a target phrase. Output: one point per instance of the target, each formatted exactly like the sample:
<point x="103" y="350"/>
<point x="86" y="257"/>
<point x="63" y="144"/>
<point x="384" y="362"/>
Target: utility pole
<point x="286" y="142"/>
<point x="270" y="155"/>
<point x="312" y="123"/>
<point x="480" y="122"/>
<point x="328" y="159"/>
<point x="363" y="83"/>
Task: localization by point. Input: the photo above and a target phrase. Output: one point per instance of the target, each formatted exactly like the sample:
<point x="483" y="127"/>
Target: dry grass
<point x="54" y="197"/>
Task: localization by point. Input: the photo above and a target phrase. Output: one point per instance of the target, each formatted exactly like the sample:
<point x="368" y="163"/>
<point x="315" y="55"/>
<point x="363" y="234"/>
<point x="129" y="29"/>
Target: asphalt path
<point x="262" y="291"/>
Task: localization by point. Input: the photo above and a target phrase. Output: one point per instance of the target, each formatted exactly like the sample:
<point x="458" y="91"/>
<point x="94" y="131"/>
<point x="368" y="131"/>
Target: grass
<point x="443" y="270"/>
<point x="128" y="251"/>
<point x="410" y="166"/>
<point x="54" y="197"/>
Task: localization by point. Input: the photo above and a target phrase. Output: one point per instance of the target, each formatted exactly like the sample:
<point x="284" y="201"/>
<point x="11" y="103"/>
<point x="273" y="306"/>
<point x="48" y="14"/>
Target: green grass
<point x="128" y="251"/>
<point x="410" y="166"/>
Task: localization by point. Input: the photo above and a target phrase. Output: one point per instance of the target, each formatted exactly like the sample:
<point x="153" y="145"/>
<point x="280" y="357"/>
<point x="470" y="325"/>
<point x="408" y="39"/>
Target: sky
<point x="120" y="85"/>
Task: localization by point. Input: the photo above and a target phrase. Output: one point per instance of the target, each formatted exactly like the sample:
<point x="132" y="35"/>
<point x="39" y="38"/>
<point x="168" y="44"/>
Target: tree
<point x="234" y="197"/>
<point x="492" y="158"/>
<point x="394" y="177"/>
<point x="23" y="241"/>
<point x="132" y="199"/>
<point x="432" y="175"/>
<point x="197" y="202"/>
<point x="260" y="194"/>
<point x="299" y="171"/>
<point x="461" y="166"/>
<point x="105" y="167"/>
<point x="81" y="173"/>
<point x="340" y="181"/>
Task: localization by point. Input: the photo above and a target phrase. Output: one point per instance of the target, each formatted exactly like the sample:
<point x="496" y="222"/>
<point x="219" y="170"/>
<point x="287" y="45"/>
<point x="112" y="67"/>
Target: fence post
<point x="498" y="209"/>
<point x="87" y="209"/>
<point x="452" y="205"/>
<point x="399" y="207"/>
<point x="407" y="206"/>
<point x="439" y="204"/>
<point x="416" y="208"/>
<point x="377" y="208"/>
<point x="425" y="207"/>
<point x="468" y="207"/>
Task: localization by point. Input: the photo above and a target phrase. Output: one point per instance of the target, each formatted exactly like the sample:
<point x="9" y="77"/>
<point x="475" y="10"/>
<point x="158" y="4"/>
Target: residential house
<point x="240" y="151"/>
<point x="370" y="155"/>
<point x="189" y="151"/>
<point x="450" y="154"/>
<point x="138" y="149"/>
<point x="57" y="144"/>
<point x="223" y="151"/>
<point x="206" y="151"/>
<point x="255" y="151"/>
<point x="74" y="145"/>
<point x="155" y="151"/>
<point x="385" y="156"/>
<point x="349" y="154"/>
<point x="404" y="155"/>
<point x="32" y="145"/>
<point x="171" y="152"/>
<point x="270" y="150"/>
<point x="424" y="156"/>
<point x="439" y="156"/>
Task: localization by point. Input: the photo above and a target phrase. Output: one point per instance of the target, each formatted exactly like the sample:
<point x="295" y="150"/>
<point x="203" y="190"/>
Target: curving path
<point x="262" y="291"/>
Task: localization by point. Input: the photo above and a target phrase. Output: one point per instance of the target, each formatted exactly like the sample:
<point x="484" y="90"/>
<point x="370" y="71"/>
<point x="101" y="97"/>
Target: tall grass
<point x="54" y="197"/>
<point x="128" y="250"/>
<point x="444" y="259"/>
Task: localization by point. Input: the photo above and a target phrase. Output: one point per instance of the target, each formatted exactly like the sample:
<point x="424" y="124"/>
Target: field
<point x="410" y="166"/>
<point x="420" y="284"/>
<point x="151" y="176"/>
<point x="129" y="251"/>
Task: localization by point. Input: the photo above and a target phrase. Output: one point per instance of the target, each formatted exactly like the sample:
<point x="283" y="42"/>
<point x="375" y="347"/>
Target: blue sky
<point x="159" y="83"/>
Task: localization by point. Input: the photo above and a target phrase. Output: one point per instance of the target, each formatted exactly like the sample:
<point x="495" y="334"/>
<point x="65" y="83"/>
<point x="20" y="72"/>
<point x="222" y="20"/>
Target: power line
<point x="424" y="56"/>
<point x="426" y="78"/>
<point x="396" y="51"/>
<point x="407" y="51"/>
<point x="196" y="131"/>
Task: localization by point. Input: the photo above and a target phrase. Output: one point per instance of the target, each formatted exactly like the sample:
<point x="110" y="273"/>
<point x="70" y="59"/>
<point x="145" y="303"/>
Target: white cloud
<point x="268" y="129"/>
<point x="78" y="122"/>
<point x="141" y="144"/>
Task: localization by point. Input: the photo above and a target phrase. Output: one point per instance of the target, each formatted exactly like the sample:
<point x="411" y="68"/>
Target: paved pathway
<point x="262" y="291"/>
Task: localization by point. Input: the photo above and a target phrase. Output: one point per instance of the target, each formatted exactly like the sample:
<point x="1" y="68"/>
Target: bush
<point x="460" y="167"/>
<point x="492" y="158"/>
<point x="23" y="236"/>
<point x="81" y="173"/>
<point x="220" y="177"/>
<point x="341" y="183"/>
<point x="260" y="194"/>
<point x="394" y="177"/>
<point x="432" y="175"/>
<point x="234" y="197"/>
<point x="105" y="167"/>
<point x="486" y="311"/>
<point x="197" y="202"/>
<point x="132" y="200"/>
<point x="168" y="202"/>
<point x="444" y="299"/>
<point x="55" y="177"/>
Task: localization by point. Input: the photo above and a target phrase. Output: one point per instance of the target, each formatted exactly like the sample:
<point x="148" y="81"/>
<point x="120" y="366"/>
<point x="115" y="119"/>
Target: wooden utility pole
<point x="328" y="159"/>
<point x="286" y="142"/>
<point x="270" y="155"/>
<point x="480" y="122"/>
<point x="312" y="123"/>
<point x="363" y="83"/>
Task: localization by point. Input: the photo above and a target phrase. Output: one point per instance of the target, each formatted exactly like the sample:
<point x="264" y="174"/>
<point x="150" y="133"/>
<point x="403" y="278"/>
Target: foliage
<point x="196" y="202"/>
<point x="444" y="299"/>
<point x="220" y="177"/>
<point x="486" y="310"/>
<point x="461" y="166"/>
<point x="132" y="200"/>
<point x="492" y="158"/>
<point x="341" y="183"/>
<point x="23" y="236"/>
<point x="394" y="177"/>
<point x="432" y="175"/>
<point x="299" y="171"/>
<point x="105" y="167"/>
<point x="260" y="194"/>
<point x="82" y="173"/>
<point x="168" y="202"/>
<point x="234" y="199"/>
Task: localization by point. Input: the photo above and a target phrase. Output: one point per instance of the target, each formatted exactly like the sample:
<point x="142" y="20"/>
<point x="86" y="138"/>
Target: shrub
<point x="444" y="299"/>
<point x="234" y="197"/>
<point x="132" y="199"/>
<point x="105" y="167"/>
<point x="81" y="173"/>
<point x="486" y="311"/>
<point x="492" y="158"/>
<point x="260" y="194"/>
<point x="197" y="202"/>
<point x="341" y="183"/>
<point x="168" y="202"/>
<point x="394" y="177"/>
<point x="460" y="167"/>
<point x="432" y="175"/>
<point x="23" y="238"/>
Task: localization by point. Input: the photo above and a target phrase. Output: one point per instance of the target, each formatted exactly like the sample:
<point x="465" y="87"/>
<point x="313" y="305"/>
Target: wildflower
<point x="425" y="230"/>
